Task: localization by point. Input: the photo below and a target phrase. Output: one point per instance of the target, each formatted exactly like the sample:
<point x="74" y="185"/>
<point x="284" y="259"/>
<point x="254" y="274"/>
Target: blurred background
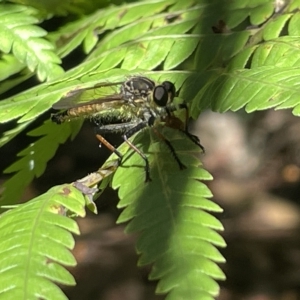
<point x="255" y="162"/>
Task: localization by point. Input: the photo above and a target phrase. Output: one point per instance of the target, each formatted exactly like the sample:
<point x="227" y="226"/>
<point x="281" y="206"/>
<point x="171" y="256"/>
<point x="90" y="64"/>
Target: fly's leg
<point x="126" y="137"/>
<point x="192" y="137"/>
<point x="128" y="130"/>
<point x="195" y="140"/>
<point x="109" y="146"/>
<point x="104" y="129"/>
<point x="169" y="145"/>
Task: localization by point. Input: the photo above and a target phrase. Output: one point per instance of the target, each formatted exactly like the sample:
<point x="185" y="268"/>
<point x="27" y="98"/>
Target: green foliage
<point x="250" y="60"/>
<point x="19" y="36"/>
<point x="35" y="244"/>
<point x="35" y="157"/>
<point x="171" y="214"/>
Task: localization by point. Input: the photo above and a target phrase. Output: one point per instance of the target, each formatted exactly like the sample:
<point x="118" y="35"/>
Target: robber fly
<point x="139" y="103"/>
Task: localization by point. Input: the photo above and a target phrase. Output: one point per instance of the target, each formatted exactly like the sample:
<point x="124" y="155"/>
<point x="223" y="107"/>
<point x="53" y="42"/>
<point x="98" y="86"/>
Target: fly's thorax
<point x="152" y="116"/>
<point x="137" y="88"/>
<point x="146" y="115"/>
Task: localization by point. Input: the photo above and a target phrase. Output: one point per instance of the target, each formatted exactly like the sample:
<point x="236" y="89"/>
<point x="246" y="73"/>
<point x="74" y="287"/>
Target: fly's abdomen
<point x="100" y="114"/>
<point x="85" y="111"/>
<point x="76" y="112"/>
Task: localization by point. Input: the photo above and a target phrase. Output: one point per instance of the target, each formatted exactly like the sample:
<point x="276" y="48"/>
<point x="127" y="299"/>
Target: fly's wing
<point x="98" y="94"/>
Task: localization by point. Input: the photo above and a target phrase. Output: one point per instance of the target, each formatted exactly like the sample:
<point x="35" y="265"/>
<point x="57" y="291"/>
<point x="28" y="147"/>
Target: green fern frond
<point x="19" y="36"/>
<point x="35" y="157"/>
<point x="10" y="134"/>
<point x="9" y="65"/>
<point x="255" y="89"/>
<point x="132" y="21"/>
<point x="35" y="241"/>
<point x="131" y="49"/>
<point x="279" y="52"/>
<point x="172" y="214"/>
<point x="47" y="8"/>
<point x="282" y="51"/>
<point x="13" y="81"/>
<point x="83" y="31"/>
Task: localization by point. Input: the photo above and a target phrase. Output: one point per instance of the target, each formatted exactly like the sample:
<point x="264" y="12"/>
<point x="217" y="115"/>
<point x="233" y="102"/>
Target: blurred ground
<point x="255" y="162"/>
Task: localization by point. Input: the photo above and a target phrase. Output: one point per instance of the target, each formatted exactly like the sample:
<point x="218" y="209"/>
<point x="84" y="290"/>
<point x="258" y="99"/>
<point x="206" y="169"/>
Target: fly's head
<point x="163" y="94"/>
<point x="156" y="109"/>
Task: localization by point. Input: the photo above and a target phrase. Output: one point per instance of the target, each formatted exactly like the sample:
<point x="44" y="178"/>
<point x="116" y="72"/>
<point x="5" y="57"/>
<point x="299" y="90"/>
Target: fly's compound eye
<point x="170" y="87"/>
<point x="160" y="96"/>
